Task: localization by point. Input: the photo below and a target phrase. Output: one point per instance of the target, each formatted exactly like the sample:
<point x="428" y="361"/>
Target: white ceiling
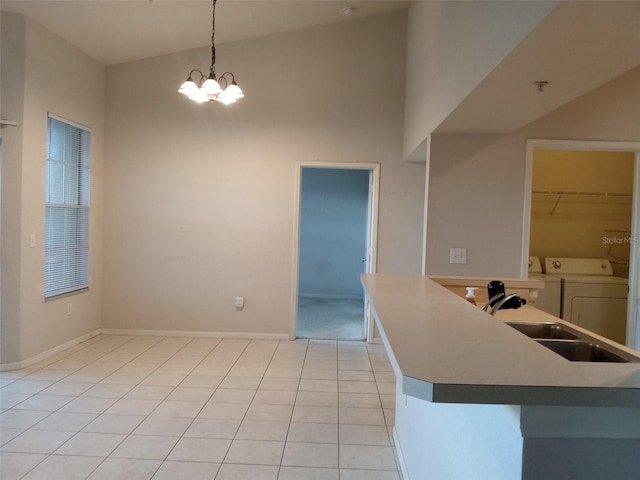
<point x="117" y="31"/>
<point x="578" y="47"/>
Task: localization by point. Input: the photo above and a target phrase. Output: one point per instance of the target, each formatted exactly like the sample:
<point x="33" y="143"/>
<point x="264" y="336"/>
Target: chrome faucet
<point x="496" y="298"/>
<point x="498" y="301"/>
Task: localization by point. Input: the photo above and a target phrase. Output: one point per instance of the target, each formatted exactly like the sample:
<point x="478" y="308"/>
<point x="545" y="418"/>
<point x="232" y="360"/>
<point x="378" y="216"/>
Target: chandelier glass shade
<point x="223" y="89"/>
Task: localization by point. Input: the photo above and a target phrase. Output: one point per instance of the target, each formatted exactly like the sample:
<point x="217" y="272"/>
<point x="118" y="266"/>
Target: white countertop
<point x="447" y="350"/>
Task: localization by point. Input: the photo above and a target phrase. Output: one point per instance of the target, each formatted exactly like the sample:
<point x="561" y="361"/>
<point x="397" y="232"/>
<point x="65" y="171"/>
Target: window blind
<point x="66" y="265"/>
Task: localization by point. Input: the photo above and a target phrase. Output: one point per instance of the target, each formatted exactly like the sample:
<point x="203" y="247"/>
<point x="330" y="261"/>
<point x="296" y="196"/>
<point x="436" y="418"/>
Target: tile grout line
<point x="245" y="413"/>
<point x="246" y="353"/>
<point x="205" y="403"/>
<point x="122" y="397"/>
<point x="52" y="412"/>
<point x="293" y="409"/>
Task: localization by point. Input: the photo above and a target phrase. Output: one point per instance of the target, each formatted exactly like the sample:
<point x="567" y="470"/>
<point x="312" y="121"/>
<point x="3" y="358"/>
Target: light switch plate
<point x="457" y="255"/>
<point x="239" y="302"/>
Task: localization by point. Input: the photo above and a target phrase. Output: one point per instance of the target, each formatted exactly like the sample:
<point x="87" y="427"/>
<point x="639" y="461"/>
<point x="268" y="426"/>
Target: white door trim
<point x="372" y="227"/>
<point x="633" y="333"/>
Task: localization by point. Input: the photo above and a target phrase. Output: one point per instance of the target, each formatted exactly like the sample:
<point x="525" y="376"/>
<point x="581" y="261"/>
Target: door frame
<point x="633" y="332"/>
<point x="372" y="234"/>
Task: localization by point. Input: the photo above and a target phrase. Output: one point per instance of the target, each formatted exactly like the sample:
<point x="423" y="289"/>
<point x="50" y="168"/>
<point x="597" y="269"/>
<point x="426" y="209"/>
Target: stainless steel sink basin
<point x="572" y="344"/>
<point x="543" y="330"/>
<point x="585" y="351"/>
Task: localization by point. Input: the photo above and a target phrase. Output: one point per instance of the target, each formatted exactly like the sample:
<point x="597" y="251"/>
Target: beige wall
<point x="451" y="47"/>
<point x="59" y="79"/>
<point x="200" y="198"/>
<point x="12" y="78"/>
<point x="476" y="185"/>
<point x="473" y="183"/>
<point x="597" y="204"/>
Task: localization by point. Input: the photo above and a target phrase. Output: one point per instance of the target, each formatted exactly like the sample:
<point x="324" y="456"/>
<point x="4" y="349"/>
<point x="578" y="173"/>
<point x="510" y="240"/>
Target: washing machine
<point x="591" y="296"/>
<point x="550" y="296"/>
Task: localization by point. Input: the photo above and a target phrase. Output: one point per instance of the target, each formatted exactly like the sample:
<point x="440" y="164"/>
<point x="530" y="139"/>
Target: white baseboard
<point x="403" y="466"/>
<point x="123" y="331"/>
<point x="182" y="333"/>
<point x="49" y="353"/>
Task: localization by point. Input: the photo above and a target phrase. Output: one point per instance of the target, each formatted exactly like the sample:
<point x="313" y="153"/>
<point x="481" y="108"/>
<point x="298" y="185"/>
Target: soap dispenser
<point x="471" y="295"/>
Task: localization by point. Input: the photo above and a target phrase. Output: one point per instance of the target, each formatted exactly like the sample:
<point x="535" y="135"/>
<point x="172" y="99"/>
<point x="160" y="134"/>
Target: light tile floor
<point x="136" y="408"/>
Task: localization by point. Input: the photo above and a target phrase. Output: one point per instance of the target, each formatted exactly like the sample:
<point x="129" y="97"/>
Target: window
<point x="66" y="253"/>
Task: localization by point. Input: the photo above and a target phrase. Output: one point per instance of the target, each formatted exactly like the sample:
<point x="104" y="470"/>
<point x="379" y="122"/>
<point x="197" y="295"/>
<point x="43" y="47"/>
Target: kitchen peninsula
<point x="476" y="399"/>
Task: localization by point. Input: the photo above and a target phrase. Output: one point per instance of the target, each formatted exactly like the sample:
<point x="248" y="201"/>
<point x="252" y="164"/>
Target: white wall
<point x="451" y="47"/>
<point x="200" y="198"/>
<point x="457" y="441"/>
<point x="333" y="231"/>
<point x="60" y="79"/>
<point x="476" y="184"/>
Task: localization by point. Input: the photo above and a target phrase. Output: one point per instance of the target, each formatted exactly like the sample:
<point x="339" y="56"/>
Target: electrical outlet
<point x="239" y="303"/>
<point x="457" y="255"/>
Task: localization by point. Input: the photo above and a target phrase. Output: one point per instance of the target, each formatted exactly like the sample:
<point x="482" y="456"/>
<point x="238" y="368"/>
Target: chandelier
<point x="223" y="89"/>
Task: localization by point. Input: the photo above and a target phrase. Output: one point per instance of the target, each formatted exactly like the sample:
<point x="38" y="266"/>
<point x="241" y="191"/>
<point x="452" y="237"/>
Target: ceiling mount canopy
<point x="541" y="85"/>
<point x="223" y="89"/>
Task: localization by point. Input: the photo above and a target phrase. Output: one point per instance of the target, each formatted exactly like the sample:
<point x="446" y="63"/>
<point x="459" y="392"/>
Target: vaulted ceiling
<point x="579" y="46"/>
<point x="117" y="31"/>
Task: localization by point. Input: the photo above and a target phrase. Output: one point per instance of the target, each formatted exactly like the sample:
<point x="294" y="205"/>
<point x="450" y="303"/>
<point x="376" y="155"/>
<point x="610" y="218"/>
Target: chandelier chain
<point x="213" y="34"/>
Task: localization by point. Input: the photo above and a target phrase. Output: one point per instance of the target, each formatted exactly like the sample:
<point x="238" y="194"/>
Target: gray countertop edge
<point x="521" y="394"/>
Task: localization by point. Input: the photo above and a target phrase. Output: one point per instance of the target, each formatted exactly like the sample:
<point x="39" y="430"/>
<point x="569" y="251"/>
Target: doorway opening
<point x="581" y="201"/>
<point x="334" y="243"/>
<point x="0" y="232"/>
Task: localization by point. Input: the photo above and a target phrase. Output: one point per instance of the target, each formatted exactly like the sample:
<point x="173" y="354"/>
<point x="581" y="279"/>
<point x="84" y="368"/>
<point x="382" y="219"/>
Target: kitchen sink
<point x="543" y="330"/>
<point x="572" y="344"/>
<point x="585" y="351"/>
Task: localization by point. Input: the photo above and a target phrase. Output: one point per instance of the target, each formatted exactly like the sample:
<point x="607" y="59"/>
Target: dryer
<point x="591" y="296"/>
<point x="549" y="298"/>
